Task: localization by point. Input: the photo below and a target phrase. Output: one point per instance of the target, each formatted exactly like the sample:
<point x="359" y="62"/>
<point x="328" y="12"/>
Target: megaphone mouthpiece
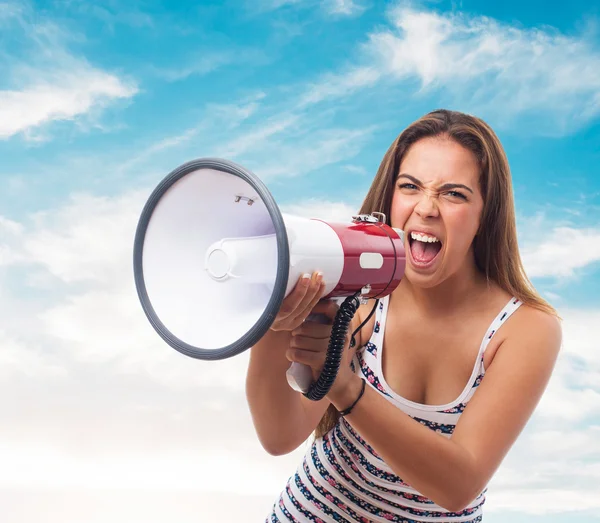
<point x="254" y="259"/>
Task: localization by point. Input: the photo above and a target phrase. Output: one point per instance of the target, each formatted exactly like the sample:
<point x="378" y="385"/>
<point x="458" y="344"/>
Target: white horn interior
<point x="199" y="210"/>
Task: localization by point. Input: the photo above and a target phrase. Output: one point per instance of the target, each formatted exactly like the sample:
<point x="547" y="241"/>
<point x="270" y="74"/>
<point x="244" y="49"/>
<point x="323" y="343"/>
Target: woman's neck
<point x="451" y="296"/>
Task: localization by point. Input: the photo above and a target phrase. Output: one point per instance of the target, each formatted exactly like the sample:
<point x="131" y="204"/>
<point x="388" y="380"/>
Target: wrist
<point x="343" y="397"/>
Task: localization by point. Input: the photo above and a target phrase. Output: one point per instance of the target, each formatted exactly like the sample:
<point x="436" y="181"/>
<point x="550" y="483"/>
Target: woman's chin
<point x="423" y="281"/>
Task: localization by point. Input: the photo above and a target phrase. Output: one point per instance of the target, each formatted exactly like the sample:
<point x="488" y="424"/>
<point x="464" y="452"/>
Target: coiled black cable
<point x="335" y="349"/>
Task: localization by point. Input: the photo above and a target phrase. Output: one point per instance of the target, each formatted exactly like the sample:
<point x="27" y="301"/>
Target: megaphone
<point x="214" y="258"/>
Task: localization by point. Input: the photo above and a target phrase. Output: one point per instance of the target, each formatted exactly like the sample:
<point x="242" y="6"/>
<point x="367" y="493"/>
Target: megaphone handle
<point x="299" y="376"/>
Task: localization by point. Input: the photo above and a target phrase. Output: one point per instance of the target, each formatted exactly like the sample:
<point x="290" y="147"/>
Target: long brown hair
<point x="495" y="244"/>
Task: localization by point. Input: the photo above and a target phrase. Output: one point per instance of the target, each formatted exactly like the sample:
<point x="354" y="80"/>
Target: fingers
<point x="297" y="306"/>
<point x="313" y="330"/>
<point x="291" y="303"/>
<point x="308" y="343"/>
<point x="315" y="360"/>
<point x="310" y="299"/>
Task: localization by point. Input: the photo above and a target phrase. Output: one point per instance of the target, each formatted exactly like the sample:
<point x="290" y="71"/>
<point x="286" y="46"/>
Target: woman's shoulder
<point x="533" y="332"/>
<point x="532" y="320"/>
<point x="526" y="318"/>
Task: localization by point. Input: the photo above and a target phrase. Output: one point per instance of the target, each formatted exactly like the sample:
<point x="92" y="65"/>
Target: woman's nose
<point x="426" y="207"/>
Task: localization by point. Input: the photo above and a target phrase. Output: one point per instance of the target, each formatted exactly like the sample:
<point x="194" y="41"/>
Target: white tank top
<point x="342" y="479"/>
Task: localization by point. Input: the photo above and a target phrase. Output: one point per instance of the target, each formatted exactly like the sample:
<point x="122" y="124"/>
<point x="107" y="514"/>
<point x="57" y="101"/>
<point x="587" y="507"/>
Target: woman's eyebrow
<point x="448" y="186"/>
<point x="445" y="187"/>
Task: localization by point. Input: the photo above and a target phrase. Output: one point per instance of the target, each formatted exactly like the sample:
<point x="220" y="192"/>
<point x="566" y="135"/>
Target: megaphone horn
<point x="214" y="258"/>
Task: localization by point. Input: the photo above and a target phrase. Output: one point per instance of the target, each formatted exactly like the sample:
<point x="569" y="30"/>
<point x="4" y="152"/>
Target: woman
<point x="455" y="360"/>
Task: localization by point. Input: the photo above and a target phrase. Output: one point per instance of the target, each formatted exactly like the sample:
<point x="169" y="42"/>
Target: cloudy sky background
<point x="101" y="421"/>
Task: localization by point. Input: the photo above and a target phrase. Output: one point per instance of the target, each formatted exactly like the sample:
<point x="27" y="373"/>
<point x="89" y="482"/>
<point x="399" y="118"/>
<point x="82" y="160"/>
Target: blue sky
<point x="98" y="102"/>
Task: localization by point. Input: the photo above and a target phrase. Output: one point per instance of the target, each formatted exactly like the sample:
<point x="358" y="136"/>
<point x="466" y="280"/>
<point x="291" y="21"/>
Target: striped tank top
<point x="342" y="479"/>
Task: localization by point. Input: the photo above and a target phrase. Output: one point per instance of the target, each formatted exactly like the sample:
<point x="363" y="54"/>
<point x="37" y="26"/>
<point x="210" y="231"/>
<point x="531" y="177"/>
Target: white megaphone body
<point x="214" y="258"/>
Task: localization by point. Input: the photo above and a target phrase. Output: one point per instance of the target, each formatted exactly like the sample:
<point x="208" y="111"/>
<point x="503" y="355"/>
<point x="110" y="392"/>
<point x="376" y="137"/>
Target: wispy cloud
<point x="202" y="65"/>
<point x="204" y="61"/>
<point x="331" y="7"/>
<point x="47" y="81"/>
<point x="519" y="70"/>
<point x="258" y="136"/>
<point x="340" y="85"/>
<point x="61" y="94"/>
<point x="289" y="156"/>
<point x="276" y="139"/>
<point x="344" y="7"/>
<point x="322" y="209"/>
<point x="226" y="118"/>
<point x="479" y="64"/>
<point x="112" y="13"/>
<point x="271" y="5"/>
<point x="562" y="252"/>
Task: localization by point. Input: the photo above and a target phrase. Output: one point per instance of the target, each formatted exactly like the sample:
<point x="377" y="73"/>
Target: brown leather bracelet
<point x="347" y="411"/>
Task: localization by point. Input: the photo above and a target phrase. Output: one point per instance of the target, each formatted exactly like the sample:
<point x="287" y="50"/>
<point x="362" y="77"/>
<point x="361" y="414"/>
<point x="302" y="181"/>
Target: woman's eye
<point x="456" y="194"/>
<point x="407" y="186"/>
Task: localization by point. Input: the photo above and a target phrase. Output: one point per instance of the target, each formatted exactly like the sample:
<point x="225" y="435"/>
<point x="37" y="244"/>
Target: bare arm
<point x="452" y="472"/>
<point x="283" y="418"/>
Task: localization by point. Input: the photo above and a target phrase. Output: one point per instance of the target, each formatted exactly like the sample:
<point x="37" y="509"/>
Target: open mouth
<point x="424" y="248"/>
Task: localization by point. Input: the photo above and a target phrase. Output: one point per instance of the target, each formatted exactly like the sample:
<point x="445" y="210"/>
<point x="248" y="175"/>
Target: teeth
<point x="423" y="238"/>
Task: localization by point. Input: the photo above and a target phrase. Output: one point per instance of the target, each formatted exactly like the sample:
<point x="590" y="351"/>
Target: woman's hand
<point x="299" y="303"/>
<point x="310" y="341"/>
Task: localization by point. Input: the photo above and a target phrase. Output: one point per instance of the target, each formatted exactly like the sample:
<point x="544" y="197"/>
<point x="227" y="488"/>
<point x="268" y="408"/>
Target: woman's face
<point x="438" y="204"/>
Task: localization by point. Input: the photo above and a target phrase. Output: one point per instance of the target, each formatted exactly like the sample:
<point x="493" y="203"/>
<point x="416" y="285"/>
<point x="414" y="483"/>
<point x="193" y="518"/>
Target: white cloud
<point x="59" y="94"/>
<point x="331" y="7"/>
<point x="340" y="85"/>
<point x="272" y="5"/>
<point x="205" y="64"/>
<point x="144" y="408"/>
<point x="17" y="360"/>
<point x="576" y="443"/>
<point x="480" y="64"/>
<point x="170" y="469"/>
<point x="305" y="150"/>
<point x="225" y="118"/>
<point x="547" y="501"/>
<point x="258" y="137"/>
<point x="344" y="7"/>
<point x="562" y="252"/>
<point x="206" y="60"/>
<point x="10" y="232"/>
<point x="87" y="240"/>
<point x="70" y="505"/>
<point x="50" y="83"/>
<point x="322" y="209"/>
<point x="87" y="247"/>
<point x="10" y="227"/>
<point x="114" y="13"/>
<point x="553" y="467"/>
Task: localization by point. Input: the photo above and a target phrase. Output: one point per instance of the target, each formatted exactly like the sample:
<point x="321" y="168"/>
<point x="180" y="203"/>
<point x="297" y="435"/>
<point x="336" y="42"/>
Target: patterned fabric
<point x="343" y="479"/>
